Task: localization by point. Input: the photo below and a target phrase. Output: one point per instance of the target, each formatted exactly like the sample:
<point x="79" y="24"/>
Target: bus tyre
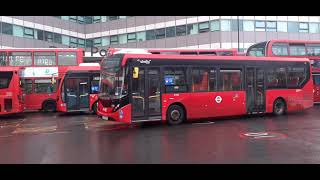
<point x="49" y="106"/>
<point x="175" y="115"/>
<point x="279" y="107"/>
<point x="94" y="108"/>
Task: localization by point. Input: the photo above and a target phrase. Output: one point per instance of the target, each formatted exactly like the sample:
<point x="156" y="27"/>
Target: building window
<point x="200" y="79"/>
<point x="114" y="39"/>
<point x="123" y="39"/>
<point x="215" y="25"/>
<point x="29" y="33"/>
<point x="181" y="30"/>
<point x="112" y="18"/>
<point x="175" y="80"/>
<point x="235" y="26"/>
<point x="81" y="43"/>
<point x="97" y="42"/>
<point x="150" y="35"/>
<point x="192" y="29"/>
<point x="73" y="18"/>
<point x="271" y="26"/>
<point x="45" y="58"/>
<point x="38" y="34"/>
<point x="104" y="19"/>
<point x="132" y="37"/>
<point x="282" y="27"/>
<point x="18" y="31"/>
<point x="67" y="59"/>
<point x="66" y="18"/>
<point x="81" y="19"/>
<point x="57" y="38"/>
<point x="225" y="25"/>
<point x="303" y="27"/>
<point x="89" y="43"/>
<point x="248" y="25"/>
<point x="203" y="27"/>
<point x="293" y="27"/>
<point x="73" y="42"/>
<point x="160" y="33"/>
<point x="141" y="36"/>
<point x="170" y="32"/>
<point x="48" y="36"/>
<point x="96" y="19"/>
<point x="297" y="50"/>
<point x="7" y="28"/>
<point x="88" y="19"/>
<point x="230" y="80"/>
<point x="313" y="27"/>
<point x="42" y="86"/>
<point x="105" y="41"/>
<point x="280" y="49"/>
<point x="260" y="26"/>
<point x="276" y="77"/>
<point x="65" y="40"/>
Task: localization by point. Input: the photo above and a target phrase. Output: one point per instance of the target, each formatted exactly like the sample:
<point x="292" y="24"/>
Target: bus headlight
<point x="120" y="114"/>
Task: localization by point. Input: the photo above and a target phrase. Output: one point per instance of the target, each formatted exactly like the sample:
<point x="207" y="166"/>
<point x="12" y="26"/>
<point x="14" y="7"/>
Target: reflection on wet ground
<point x="84" y="138"/>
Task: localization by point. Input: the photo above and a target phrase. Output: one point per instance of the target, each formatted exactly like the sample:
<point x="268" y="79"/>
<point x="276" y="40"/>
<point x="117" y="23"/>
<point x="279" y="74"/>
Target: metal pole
<point x="238" y="33"/>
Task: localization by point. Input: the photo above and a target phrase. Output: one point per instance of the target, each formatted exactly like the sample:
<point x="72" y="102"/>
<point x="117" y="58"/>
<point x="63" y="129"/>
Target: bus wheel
<point x="175" y="115"/>
<point x="279" y="107"/>
<point x="49" y="106"/>
<point x="94" y="108"/>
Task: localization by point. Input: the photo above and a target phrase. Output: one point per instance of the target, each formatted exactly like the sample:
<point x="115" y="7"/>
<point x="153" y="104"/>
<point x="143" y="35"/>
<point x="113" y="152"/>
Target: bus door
<point x="316" y="87"/>
<point x="255" y="90"/>
<point x="77" y="93"/>
<point x="146" y="97"/>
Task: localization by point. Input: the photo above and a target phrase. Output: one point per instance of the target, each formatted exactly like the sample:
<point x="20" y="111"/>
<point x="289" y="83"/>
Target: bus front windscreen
<point x="113" y="85"/>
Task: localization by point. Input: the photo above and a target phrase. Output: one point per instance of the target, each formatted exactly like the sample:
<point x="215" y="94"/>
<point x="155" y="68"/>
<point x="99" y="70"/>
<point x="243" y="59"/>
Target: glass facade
<point x="217" y="25"/>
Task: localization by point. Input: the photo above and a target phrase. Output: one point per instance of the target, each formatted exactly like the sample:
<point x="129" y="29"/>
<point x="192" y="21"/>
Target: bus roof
<point x="293" y="41"/>
<point x="191" y="50"/>
<point x="202" y="57"/>
<point x="40" y="49"/>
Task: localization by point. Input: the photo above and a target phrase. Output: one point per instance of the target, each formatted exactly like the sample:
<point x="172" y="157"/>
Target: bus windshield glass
<point x="113" y="85"/>
<point x="5" y="78"/>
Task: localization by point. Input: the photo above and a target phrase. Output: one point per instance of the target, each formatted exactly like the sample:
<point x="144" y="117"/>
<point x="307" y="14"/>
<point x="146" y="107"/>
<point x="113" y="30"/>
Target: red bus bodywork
<point x="43" y="64"/>
<point x="78" y="75"/>
<point x="11" y="95"/>
<point x="309" y="49"/>
<point x="207" y="104"/>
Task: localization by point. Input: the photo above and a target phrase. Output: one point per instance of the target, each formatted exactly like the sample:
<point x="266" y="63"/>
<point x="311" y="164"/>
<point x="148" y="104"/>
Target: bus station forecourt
<point x="174" y="96"/>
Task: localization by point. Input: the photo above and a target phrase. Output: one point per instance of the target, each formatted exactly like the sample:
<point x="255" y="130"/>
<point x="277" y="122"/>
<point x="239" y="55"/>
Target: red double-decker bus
<point x="11" y="95"/>
<point x="39" y="66"/>
<point x="292" y="48"/>
<point x="79" y="87"/>
<point x="175" y="88"/>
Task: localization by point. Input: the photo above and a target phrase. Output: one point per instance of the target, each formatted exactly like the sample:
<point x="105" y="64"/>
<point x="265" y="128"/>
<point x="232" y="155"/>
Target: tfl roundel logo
<point x="218" y="99"/>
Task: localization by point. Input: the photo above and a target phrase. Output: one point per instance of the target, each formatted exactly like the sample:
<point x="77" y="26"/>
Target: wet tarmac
<point x="84" y="138"/>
